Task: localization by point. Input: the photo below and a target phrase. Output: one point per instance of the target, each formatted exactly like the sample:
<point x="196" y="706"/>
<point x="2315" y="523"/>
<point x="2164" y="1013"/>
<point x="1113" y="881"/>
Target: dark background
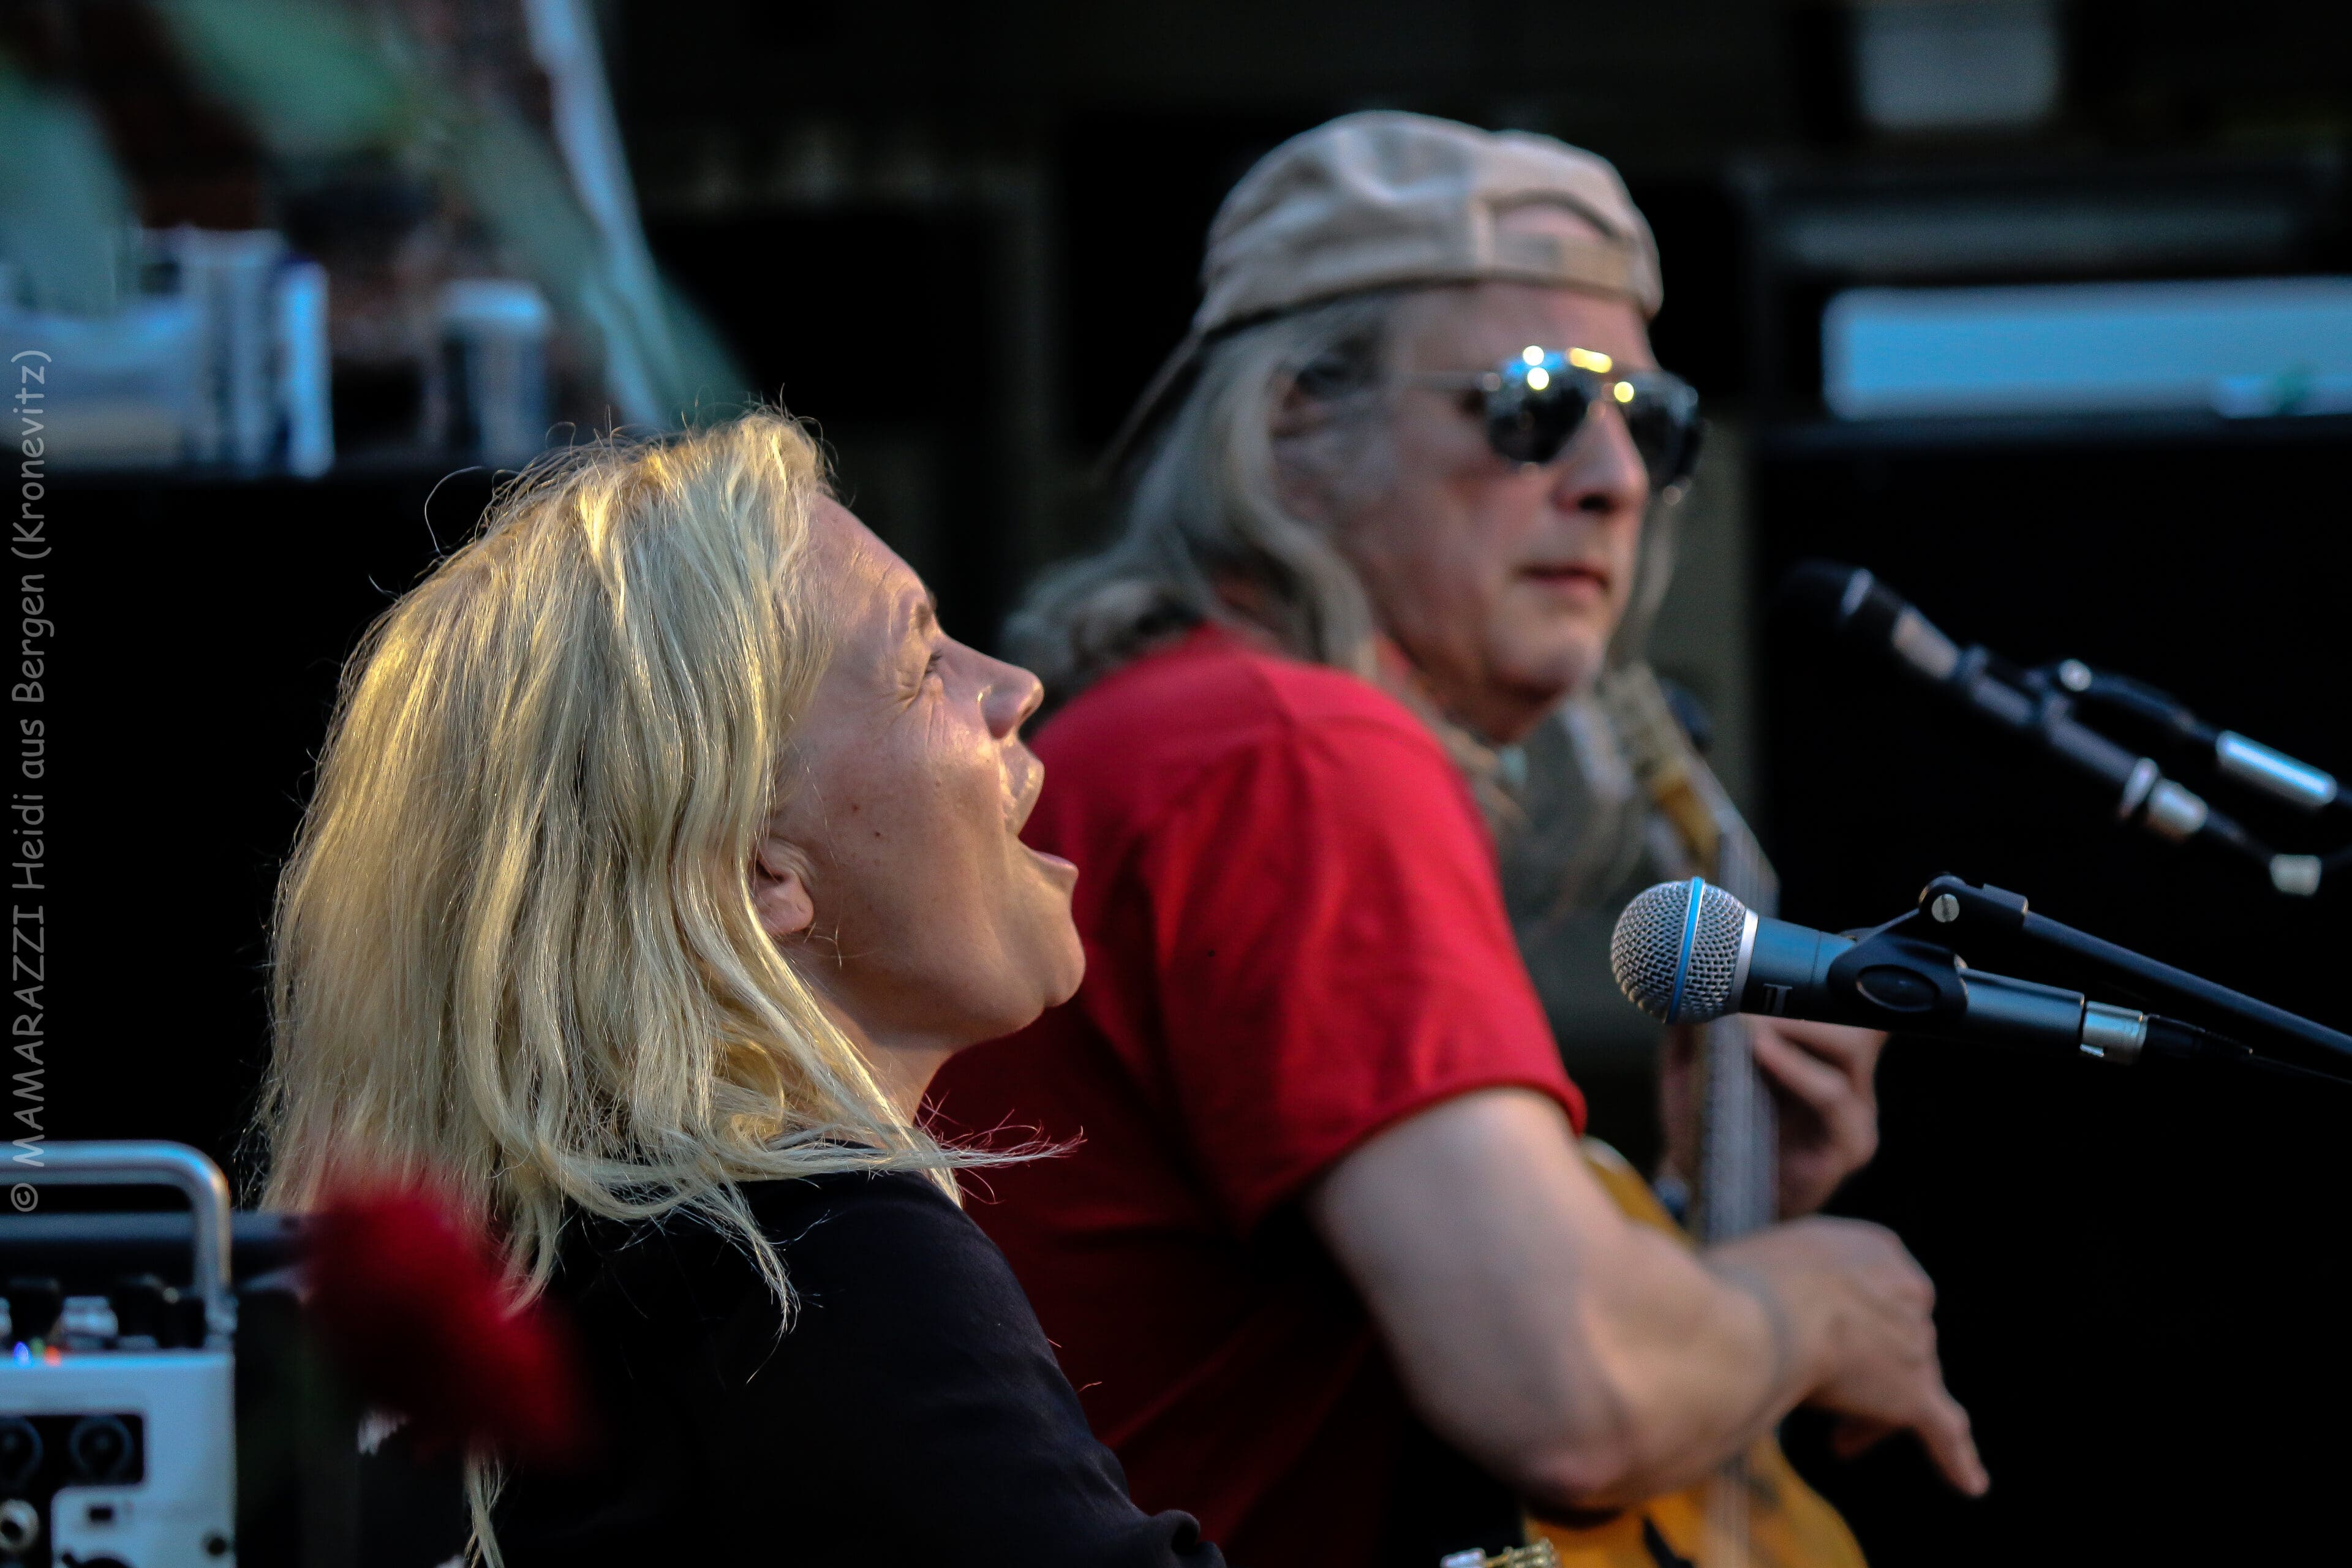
<point x="2138" y="1288"/>
<point x="962" y="236"/>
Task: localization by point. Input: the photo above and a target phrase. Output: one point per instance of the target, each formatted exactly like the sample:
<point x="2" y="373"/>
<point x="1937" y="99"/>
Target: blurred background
<point x="310" y="273"/>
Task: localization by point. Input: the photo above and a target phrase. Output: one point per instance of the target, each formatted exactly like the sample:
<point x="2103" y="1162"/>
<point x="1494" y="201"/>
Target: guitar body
<point x="1788" y="1524"/>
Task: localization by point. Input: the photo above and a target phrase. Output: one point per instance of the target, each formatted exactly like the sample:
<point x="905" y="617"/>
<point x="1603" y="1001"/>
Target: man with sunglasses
<point x="1323" y="1259"/>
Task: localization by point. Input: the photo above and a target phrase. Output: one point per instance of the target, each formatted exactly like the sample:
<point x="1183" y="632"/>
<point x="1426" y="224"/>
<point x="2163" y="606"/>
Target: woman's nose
<point x="1012" y="696"/>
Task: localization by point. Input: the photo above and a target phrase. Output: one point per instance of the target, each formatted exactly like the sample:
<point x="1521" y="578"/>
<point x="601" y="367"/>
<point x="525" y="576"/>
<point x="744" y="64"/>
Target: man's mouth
<point x="1567" y="574"/>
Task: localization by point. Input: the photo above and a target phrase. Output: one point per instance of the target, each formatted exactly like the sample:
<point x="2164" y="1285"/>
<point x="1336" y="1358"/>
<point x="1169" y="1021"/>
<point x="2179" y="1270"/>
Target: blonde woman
<point x="664" y="847"/>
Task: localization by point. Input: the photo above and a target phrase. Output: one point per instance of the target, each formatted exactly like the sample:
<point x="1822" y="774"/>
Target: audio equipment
<point x="2046" y="707"/>
<point x="118" y="1437"/>
<point x="1687" y="951"/>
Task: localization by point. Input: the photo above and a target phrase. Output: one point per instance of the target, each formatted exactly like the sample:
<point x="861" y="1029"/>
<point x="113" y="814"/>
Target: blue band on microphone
<point x="1690" y="940"/>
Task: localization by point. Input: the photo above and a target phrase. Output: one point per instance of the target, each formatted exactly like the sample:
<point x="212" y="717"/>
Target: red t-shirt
<point x="1295" y="938"/>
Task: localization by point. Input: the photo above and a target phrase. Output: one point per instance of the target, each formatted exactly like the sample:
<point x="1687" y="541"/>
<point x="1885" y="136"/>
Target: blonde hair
<point x="515" y="950"/>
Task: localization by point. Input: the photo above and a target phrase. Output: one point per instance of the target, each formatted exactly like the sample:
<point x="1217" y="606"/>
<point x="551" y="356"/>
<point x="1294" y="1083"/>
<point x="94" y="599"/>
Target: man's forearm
<point x="1586" y="1360"/>
<point x="1708" y="1351"/>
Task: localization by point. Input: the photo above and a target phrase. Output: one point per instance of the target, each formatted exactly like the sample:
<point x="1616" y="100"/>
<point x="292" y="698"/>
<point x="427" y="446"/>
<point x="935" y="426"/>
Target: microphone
<point x="1689" y="953"/>
<point x="1851" y="603"/>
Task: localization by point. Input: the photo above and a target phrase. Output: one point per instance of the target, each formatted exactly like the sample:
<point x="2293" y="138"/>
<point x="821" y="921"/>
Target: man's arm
<point x="1589" y="1361"/>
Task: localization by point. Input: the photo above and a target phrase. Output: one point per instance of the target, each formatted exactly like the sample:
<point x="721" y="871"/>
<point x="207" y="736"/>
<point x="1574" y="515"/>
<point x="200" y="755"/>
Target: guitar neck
<point x="1734" y="1188"/>
<point x="1753" y="1511"/>
<point x="1739" y="1134"/>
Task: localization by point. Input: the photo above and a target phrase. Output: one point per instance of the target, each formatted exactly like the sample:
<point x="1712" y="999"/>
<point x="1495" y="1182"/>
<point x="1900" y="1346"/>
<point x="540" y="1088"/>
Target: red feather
<point x="410" y="1299"/>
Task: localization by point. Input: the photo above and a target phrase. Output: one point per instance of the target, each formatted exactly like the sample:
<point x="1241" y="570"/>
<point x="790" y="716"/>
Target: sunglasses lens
<point x="1530" y="425"/>
<point x="1662" y="419"/>
<point x="1536" y="410"/>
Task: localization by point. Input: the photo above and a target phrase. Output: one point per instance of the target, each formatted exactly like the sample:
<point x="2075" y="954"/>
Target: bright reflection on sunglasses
<point x="1533" y="404"/>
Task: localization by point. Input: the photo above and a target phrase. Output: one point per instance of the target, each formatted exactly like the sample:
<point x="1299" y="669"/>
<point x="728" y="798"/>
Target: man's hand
<point x="1864" y="1305"/>
<point x="1822" y="1078"/>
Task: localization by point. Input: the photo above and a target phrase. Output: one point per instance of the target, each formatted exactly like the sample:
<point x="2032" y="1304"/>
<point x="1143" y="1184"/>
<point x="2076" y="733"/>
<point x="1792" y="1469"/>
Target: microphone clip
<point x="1911" y="981"/>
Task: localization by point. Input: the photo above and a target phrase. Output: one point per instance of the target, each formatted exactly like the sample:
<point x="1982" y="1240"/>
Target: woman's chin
<point x="1074" y="973"/>
<point x="1049" y="950"/>
<point x="1050" y="972"/>
<point x="1061" y="964"/>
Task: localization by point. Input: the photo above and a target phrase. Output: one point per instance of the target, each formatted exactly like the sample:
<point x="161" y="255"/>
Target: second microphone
<point x="1688" y="952"/>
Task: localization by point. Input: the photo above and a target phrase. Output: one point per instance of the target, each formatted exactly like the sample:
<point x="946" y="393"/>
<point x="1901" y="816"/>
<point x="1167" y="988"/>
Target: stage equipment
<point x="2047" y="706"/>
<point x="117" y="1412"/>
<point x="1688" y="952"/>
<point x="144" y="1423"/>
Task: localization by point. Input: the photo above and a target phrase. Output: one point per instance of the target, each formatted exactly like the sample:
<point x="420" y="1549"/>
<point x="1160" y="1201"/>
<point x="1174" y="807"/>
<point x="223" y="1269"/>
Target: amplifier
<point x="128" y="1396"/>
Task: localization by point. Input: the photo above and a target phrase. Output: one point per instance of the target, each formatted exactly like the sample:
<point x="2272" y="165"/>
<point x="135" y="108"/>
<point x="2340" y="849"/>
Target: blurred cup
<point x="231" y="278"/>
<point x="494" y="334"/>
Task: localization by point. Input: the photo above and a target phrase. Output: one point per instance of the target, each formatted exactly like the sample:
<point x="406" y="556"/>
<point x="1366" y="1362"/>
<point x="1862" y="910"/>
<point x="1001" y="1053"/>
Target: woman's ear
<point x="780" y="890"/>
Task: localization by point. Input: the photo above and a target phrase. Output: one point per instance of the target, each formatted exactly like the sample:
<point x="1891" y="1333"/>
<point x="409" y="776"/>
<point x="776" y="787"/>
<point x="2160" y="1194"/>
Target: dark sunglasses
<point x="1534" y="404"/>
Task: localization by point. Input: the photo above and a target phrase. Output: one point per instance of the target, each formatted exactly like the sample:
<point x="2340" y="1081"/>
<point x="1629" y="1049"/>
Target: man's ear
<point x="780" y="890"/>
<point x="1294" y="416"/>
<point x="1294" y="411"/>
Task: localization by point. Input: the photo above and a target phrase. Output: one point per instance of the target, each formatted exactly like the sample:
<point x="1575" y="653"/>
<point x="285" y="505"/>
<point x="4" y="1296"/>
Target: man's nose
<point x="1601" y="470"/>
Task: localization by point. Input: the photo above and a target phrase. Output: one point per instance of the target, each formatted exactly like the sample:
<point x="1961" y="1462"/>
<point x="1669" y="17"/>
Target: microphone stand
<point x="2229" y="1027"/>
<point x="2047" y="708"/>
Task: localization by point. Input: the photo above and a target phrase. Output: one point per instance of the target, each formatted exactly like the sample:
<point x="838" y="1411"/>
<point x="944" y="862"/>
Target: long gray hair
<point x="1206" y="535"/>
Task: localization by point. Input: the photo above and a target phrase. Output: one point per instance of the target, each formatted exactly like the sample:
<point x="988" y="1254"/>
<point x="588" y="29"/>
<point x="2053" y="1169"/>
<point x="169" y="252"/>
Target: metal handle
<point x="142" y="1163"/>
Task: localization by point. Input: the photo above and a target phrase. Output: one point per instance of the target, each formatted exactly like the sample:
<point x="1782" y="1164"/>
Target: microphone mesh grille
<point x="1648" y="943"/>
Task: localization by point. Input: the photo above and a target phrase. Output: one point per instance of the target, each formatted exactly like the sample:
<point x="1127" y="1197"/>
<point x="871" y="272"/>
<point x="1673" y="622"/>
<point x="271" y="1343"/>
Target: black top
<point x="913" y="1412"/>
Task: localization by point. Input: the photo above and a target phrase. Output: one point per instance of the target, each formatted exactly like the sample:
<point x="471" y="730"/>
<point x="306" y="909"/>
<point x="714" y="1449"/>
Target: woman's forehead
<point x="871" y="588"/>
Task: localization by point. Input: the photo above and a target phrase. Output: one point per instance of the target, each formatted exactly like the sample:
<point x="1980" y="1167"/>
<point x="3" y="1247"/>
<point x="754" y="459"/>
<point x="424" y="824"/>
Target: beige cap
<point x="1385" y="199"/>
<point x="1381" y="199"/>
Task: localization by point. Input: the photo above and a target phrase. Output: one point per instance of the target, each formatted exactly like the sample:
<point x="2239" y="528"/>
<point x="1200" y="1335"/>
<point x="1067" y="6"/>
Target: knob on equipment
<point x="20" y="1451"/>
